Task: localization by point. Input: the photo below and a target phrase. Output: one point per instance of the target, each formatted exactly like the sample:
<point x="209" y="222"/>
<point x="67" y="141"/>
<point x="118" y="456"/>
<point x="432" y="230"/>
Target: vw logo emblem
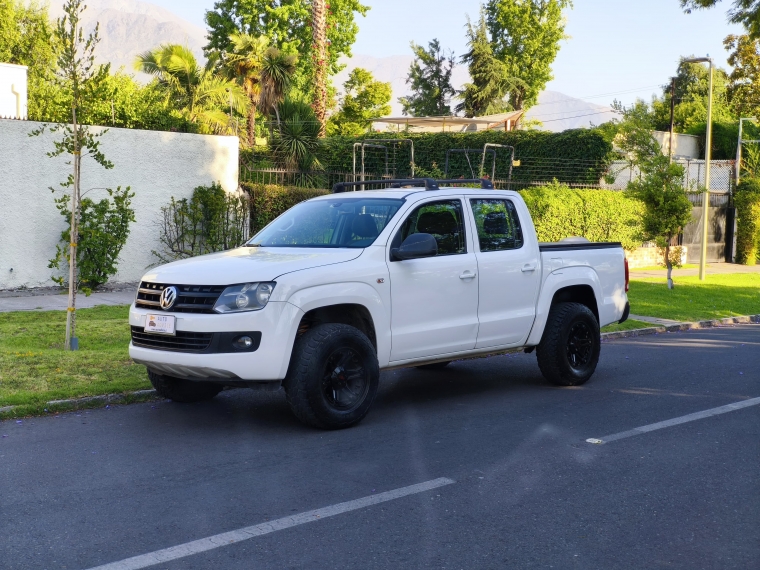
<point x="168" y="297"/>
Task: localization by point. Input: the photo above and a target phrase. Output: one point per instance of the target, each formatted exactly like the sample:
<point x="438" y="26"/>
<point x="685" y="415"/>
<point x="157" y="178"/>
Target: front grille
<point x="184" y="341"/>
<point x="191" y="298"/>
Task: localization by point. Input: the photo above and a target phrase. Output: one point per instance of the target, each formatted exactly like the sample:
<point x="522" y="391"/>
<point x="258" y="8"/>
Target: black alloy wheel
<point x="345" y="382"/>
<point x="569" y="349"/>
<point x="333" y="376"/>
<point x="580" y="343"/>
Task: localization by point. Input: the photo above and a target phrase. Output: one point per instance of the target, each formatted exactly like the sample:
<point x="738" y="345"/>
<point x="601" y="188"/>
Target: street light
<point x="708" y="156"/>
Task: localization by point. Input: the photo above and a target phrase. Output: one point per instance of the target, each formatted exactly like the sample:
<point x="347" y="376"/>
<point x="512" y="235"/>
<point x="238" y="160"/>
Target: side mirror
<point x="416" y="246"/>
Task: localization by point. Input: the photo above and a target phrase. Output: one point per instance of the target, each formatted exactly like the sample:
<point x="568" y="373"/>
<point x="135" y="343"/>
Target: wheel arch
<point x="569" y="285"/>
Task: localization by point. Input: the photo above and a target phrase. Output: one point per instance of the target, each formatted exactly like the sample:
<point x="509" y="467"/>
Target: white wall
<point x="684" y="146"/>
<point x="156" y="165"/>
<point x="13" y="96"/>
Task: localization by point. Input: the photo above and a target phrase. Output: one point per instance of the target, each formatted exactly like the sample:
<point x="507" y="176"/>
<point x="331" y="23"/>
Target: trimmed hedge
<point x="557" y="211"/>
<point x="270" y="200"/>
<point x="598" y="215"/>
<point x="578" y="156"/>
<point x="747" y="202"/>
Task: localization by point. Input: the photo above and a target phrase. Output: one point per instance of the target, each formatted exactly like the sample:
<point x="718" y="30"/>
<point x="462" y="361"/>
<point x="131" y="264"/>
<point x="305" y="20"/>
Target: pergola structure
<point x="498" y="122"/>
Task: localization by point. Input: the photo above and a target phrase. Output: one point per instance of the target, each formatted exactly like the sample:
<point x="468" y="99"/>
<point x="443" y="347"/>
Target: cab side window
<point x="497" y="223"/>
<point x="443" y="220"/>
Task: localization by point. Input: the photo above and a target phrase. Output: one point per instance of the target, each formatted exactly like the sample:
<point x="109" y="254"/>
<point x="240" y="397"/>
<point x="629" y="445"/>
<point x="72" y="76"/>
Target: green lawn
<point x="719" y="296"/>
<point x="34" y="369"/>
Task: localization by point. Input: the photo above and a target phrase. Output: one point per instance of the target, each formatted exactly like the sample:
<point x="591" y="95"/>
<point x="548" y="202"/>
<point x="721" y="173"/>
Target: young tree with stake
<point x="78" y="77"/>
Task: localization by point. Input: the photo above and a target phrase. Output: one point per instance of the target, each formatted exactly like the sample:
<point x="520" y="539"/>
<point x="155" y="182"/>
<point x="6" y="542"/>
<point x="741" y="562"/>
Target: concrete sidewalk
<point x="59" y="302"/>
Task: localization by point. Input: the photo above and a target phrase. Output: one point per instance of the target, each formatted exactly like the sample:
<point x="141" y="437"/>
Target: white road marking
<point x="227" y="538"/>
<point x="676" y="421"/>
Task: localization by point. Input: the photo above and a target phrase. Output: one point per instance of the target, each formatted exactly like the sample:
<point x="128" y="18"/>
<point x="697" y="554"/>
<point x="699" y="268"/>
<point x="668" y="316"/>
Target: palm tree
<point x="319" y="33"/>
<point x="277" y="70"/>
<point x="243" y="63"/>
<point x="198" y="93"/>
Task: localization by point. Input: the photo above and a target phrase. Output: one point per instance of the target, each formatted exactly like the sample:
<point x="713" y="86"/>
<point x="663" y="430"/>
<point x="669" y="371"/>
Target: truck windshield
<point x="338" y="222"/>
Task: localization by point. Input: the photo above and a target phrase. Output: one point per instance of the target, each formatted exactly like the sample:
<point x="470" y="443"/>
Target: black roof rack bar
<point x="427" y="183"/>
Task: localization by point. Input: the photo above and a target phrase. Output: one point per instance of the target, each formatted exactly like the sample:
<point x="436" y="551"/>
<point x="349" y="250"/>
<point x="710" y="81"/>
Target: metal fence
<point x="722" y="175"/>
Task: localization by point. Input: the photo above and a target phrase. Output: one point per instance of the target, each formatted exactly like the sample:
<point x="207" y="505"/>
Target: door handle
<point x="467" y="275"/>
<point x="528" y="267"/>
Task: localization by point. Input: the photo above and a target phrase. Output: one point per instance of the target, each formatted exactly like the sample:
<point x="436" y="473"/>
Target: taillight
<point x="626" y="275"/>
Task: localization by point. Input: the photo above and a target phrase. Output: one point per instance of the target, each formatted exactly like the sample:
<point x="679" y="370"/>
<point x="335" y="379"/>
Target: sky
<point x="620" y="49"/>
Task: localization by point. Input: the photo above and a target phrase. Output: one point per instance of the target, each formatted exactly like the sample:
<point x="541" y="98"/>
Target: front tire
<point x="333" y="376"/>
<point x="569" y="350"/>
<point x="184" y="391"/>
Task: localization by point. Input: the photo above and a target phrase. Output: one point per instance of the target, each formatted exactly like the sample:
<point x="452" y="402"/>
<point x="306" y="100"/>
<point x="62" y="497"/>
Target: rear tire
<point x="333" y="376"/>
<point x="569" y="350"/>
<point x="184" y="391"/>
<point x="434" y="366"/>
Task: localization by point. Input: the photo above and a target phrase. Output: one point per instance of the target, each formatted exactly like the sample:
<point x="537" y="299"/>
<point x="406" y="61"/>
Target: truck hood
<point x="246" y="265"/>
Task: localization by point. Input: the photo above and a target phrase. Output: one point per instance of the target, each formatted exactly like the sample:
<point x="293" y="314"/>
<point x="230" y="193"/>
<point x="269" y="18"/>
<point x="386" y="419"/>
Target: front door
<point x="509" y="274"/>
<point x="434" y="300"/>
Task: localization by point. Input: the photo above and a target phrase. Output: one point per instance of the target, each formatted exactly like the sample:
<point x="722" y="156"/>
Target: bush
<point x="211" y="220"/>
<point x="599" y="215"/>
<point x="747" y="202"/>
<point x="270" y="200"/>
<point x="103" y="231"/>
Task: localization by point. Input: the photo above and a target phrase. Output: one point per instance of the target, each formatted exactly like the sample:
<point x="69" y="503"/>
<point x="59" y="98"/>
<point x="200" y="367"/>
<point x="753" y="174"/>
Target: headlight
<point x="246" y="297"/>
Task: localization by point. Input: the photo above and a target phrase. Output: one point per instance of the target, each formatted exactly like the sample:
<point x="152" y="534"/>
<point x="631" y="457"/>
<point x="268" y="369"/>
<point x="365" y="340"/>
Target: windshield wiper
<point x="253" y="245"/>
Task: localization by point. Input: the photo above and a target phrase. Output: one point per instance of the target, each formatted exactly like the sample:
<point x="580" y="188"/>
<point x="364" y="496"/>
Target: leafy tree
<point x="363" y="99"/>
<point x="27" y="37"/>
<point x="430" y="79"/>
<point x="78" y="78"/>
<point x="491" y="83"/>
<point x="199" y="94"/>
<point x="744" y="81"/>
<point x="691" y="93"/>
<point x="667" y="209"/>
<point x="287" y="24"/>
<point x="526" y="36"/>
<point x="745" y="12"/>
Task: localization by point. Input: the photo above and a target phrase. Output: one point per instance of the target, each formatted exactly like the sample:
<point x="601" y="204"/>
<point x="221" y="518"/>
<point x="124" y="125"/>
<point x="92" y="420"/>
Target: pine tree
<point x="430" y="80"/>
<point x="490" y="79"/>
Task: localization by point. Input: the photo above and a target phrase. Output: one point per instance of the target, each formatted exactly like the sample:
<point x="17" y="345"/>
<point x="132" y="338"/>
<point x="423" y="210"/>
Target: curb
<point x="680" y="327"/>
<point x="151" y="394"/>
<point x="74" y="403"/>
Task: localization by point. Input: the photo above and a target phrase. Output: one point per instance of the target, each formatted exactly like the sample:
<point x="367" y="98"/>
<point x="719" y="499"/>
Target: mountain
<point x="129" y="27"/>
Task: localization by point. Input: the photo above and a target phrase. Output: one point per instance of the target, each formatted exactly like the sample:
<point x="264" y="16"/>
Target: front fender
<point x="565" y="277"/>
<point x="354" y="293"/>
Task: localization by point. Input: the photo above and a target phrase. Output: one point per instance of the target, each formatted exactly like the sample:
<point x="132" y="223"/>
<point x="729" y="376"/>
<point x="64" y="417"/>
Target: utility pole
<point x="708" y="157"/>
<point x="672" y="115"/>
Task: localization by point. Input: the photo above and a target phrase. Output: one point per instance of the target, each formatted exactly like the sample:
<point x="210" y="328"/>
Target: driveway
<point x="481" y="465"/>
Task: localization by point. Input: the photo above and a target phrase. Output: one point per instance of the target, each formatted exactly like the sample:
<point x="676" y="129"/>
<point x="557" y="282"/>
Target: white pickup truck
<point x="345" y="285"/>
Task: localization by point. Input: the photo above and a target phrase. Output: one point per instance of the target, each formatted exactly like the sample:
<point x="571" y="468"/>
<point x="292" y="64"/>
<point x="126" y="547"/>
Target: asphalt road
<point x="85" y="489"/>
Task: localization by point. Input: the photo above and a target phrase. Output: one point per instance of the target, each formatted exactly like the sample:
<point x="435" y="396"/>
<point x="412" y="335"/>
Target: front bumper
<point x="277" y="322"/>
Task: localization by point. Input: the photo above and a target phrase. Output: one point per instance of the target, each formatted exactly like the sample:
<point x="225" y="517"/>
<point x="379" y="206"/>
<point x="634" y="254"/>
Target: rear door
<point x="435" y="299"/>
<point x="509" y="276"/>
